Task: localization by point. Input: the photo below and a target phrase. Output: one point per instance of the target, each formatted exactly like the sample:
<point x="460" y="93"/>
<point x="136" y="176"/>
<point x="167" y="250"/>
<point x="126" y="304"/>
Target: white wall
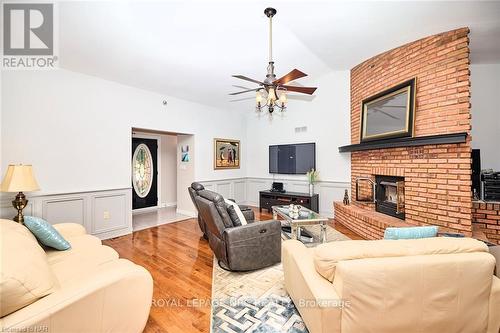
<point x="327" y="117"/>
<point x="186" y="174"/>
<point x="485" y="91"/>
<point x="76" y="129"/>
<point x="168" y="186"/>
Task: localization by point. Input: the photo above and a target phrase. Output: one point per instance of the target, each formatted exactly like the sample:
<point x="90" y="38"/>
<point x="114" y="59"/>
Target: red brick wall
<point x="437" y="177"/>
<point x="441" y="65"/>
<point x="486" y="217"/>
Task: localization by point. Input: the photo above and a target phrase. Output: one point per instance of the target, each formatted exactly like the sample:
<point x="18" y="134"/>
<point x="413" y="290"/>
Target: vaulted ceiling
<point x="190" y="49"/>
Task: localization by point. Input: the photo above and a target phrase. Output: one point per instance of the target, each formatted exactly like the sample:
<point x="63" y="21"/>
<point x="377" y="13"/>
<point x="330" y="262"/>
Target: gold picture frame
<point x="226" y="154"/>
<point x="405" y="127"/>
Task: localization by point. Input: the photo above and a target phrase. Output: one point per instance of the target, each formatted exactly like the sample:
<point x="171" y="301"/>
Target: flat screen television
<point x="293" y="159"/>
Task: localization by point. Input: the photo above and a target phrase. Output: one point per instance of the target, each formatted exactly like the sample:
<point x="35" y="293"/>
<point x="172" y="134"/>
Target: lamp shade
<point x="19" y="178"/>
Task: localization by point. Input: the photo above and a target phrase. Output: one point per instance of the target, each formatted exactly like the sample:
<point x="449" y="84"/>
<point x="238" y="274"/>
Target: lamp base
<point x="19" y="204"/>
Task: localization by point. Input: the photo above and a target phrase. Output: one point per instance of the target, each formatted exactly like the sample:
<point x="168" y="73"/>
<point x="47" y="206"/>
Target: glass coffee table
<point x="306" y="218"/>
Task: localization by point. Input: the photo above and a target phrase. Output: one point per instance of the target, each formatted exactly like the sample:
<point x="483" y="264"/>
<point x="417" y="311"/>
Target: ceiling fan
<point x="274" y="90"/>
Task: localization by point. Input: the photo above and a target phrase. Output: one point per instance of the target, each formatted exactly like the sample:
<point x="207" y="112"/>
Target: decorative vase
<point x="346" y="198"/>
<point x="311" y="189"/>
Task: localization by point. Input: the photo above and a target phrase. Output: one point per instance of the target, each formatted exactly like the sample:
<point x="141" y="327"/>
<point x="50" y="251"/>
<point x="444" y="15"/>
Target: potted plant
<point x="312" y="178"/>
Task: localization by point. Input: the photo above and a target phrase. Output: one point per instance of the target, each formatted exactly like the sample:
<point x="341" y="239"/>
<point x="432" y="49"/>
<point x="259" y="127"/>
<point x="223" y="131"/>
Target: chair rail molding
<point x="105" y="214"/>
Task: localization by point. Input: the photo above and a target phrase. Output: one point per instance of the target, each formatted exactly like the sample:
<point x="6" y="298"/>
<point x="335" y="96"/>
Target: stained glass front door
<point x="144" y="173"/>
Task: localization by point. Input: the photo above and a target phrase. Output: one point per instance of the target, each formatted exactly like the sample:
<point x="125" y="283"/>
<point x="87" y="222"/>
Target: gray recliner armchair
<point x="238" y="247"/>
<point x="193" y="193"/>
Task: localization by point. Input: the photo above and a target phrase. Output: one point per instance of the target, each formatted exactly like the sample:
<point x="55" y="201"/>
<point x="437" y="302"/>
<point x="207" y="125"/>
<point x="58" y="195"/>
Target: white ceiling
<point x="190" y="49"/>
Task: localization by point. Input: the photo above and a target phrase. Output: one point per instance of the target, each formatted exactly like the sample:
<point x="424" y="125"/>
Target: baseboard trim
<point x="187" y="213"/>
<point x="114" y="233"/>
<point x="144" y="210"/>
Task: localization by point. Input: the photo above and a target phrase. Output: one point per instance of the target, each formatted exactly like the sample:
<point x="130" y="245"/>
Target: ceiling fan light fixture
<point x="271" y="92"/>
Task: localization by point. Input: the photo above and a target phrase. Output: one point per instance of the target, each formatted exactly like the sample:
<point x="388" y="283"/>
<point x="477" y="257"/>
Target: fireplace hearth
<point x="389" y="196"/>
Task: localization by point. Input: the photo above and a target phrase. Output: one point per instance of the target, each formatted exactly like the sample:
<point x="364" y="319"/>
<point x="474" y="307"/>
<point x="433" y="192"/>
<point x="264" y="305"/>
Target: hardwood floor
<point x="180" y="262"/>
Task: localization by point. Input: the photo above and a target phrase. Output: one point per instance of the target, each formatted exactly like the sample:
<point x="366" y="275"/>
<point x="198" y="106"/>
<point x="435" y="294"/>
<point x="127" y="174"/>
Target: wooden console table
<point x="268" y="199"/>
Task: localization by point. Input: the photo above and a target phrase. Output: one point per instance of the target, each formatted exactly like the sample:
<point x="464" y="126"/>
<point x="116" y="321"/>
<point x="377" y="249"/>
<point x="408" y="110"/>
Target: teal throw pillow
<point x="411" y="232"/>
<point x="45" y="233"/>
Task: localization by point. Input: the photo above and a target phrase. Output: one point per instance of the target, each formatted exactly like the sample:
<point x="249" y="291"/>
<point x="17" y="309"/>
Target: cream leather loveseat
<point x="84" y="289"/>
<point x="433" y="285"/>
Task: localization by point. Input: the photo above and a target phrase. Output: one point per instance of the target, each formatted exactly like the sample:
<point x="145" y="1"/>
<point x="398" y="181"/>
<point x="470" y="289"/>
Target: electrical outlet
<point x="106" y="215"/>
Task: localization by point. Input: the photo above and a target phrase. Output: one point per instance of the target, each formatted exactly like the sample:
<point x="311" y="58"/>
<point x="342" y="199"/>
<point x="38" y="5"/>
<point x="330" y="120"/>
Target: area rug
<point x="257" y="301"/>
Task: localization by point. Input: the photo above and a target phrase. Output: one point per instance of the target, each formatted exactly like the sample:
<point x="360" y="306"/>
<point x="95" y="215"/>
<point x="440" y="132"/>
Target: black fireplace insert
<point x="390" y="196"/>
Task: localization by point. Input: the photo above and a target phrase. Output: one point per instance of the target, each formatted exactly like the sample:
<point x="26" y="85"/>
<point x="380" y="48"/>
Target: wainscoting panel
<point x="298" y="187"/>
<point x="209" y="186"/>
<point x="234" y="188"/>
<point x="246" y="190"/>
<point x="254" y="186"/>
<point x="108" y="213"/>
<point x="64" y="209"/>
<point x="225" y="189"/>
<point x="328" y="191"/>
<point x="105" y="214"/>
<point x="239" y="190"/>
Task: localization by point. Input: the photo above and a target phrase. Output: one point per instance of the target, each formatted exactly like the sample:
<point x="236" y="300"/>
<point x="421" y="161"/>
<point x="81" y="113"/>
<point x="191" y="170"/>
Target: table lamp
<point x="19" y="178"/>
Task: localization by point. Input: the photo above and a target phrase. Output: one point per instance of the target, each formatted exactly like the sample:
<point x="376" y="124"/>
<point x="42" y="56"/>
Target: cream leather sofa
<point x="431" y="285"/>
<point x="84" y="289"/>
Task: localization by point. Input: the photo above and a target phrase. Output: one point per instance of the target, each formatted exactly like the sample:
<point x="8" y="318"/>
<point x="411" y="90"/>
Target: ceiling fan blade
<point x="244" y="91"/>
<point x="293" y="75"/>
<point x="303" y="90"/>
<point x="242" y="77"/>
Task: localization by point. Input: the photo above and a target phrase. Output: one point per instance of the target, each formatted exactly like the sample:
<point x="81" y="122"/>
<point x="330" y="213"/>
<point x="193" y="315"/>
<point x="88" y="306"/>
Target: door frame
<point x="156" y="137"/>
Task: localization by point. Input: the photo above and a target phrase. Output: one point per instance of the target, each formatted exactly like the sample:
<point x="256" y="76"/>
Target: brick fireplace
<point x="434" y="176"/>
<point x="390" y="196"/>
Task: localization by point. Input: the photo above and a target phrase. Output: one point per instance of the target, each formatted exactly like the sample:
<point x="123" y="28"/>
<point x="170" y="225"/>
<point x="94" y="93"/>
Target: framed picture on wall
<point x="390" y="113"/>
<point x="226" y="154"/>
<point x="185" y="153"/>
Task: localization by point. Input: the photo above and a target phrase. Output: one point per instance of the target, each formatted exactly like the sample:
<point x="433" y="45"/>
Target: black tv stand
<point x="267" y="199"/>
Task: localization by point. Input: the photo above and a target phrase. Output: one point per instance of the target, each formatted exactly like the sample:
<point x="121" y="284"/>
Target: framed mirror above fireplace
<point x="390" y="113"/>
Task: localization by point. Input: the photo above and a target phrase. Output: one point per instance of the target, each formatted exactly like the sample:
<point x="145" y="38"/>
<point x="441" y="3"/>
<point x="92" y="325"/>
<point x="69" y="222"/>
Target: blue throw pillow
<point x="45" y="233"/>
<point x="411" y="232"/>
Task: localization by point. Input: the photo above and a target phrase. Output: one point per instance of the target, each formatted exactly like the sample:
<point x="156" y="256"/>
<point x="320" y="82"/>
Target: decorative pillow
<point x="45" y="233"/>
<point x="411" y="232"/>
<point x="25" y="275"/>
<point x="235" y="214"/>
